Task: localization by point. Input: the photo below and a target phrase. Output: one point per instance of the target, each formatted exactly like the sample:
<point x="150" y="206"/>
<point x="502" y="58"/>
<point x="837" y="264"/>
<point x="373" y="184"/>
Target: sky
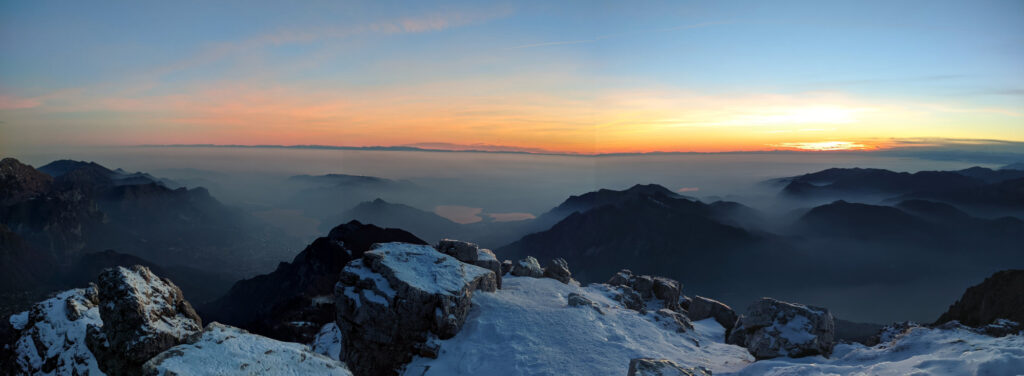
<point x="577" y="77"/>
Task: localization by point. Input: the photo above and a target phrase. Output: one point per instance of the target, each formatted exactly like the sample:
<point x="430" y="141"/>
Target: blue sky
<point x="578" y="76"/>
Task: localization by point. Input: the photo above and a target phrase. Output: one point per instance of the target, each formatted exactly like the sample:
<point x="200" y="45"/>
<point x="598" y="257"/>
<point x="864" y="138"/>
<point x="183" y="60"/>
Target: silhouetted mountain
<point x="300" y="291"/>
<point x="325" y="196"/>
<point x="648" y="232"/>
<point x="852" y="182"/>
<point x="1007" y="194"/>
<point x="89" y="207"/>
<point x="992" y="176"/>
<point x="1000" y="296"/>
<point x="845" y="219"/>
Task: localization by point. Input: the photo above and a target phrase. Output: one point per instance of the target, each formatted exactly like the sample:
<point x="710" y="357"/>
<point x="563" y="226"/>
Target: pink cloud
<point x="8" y="102"/>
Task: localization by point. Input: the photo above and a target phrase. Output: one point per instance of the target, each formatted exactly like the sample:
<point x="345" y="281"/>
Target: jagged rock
<point x="462" y="251"/>
<point x="506" y="267"/>
<point x="625" y="296"/>
<point x="297" y="299"/>
<point x="527" y="267"/>
<point x="226" y="350"/>
<point x="662" y="367"/>
<point x="51" y="337"/>
<point x="649" y="287"/>
<point x="684" y="302"/>
<point x="1000" y="296"/>
<point x="1001" y="328"/>
<point x="891" y="332"/>
<point x="644" y="284"/>
<point x="577" y="300"/>
<point x="399" y="295"/>
<point x="675" y="320"/>
<point x="622" y="278"/>
<point x="143" y="315"/>
<point x="701" y="308"/>
<point x="558" y="269"/>
<point x="772" y="328"/>
<point x="668" y="290"/>
<point x="487" y="260"/>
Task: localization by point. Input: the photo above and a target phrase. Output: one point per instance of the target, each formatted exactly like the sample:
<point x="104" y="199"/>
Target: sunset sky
<point x="581" y="77"/>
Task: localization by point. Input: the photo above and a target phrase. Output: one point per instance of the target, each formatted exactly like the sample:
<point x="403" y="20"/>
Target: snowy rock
<point x="772" y="328"/>
<point x="462" y="251"/>
<point x="51" y="335"/>
<point x="142" y="314"/>
<point x="891" y="332"/>
<point x="577" y="300"/>
<point x="396" y="297"/>
<point x="506" y="267"/>
<point x="622" y="278"/>
<point x="662" y="367"/>
<point x="701" y="308"/>
<point x="624" y="295"/>
<point x="328" y="341"/>
<point x="487" y="260"/>
<point x="675" y="321"/>
<point x="558" y="269"/>
<point x="226" y="350"/>
<point x="527" y="267"/>
<point x="668" y="290"/>
<point x="684" y="302"/>
<point x="650" y="287"/>
<point x="1001" y="327"/>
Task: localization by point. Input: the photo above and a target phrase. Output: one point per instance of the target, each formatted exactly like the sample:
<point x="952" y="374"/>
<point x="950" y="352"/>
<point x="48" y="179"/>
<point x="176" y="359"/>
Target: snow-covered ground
<point x="527" y="328"/>
<point x="226" y="350"/>
<point x="921" y="351"/>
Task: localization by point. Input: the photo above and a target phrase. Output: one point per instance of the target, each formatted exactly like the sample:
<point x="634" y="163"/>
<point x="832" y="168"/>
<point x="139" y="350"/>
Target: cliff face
<point x="1000" y="296"/>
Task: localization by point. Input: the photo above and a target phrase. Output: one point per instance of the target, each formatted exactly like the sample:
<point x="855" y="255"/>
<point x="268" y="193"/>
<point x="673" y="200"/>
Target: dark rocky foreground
<point x="392" y="299"/>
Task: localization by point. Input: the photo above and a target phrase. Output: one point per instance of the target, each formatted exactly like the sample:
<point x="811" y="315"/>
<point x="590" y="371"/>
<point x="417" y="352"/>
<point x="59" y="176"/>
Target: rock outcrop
<point x="674" y="320"/>
<point x="297" y="299"/>
<point x="1000" y="296"/>
<point x="772" y="328"/>
<point x="624" y="295"/>
<point x="701" y="308"/>
<point x="662" y="367"/>
<point x="667" y="290"/>
<point x="460" y="250"/>
<point x="51" y="337"/>
<point x="226" y="350"/>
<point x="527" y="267"/>
<point x="397" y="298"/>
<point x="143" y="315"/>
<point x="558" y="269"/>
<point x="577" y="300"/>
<point x="487" y="260"/>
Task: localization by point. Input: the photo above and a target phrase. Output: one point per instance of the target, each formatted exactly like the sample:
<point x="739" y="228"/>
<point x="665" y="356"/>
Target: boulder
<point x="506" y="267"/>
<point x="684" y="302"/>
<point x="558" y="269"/>
<point x="143" y="315"/>
<point x="577" y="300"/>
<point x="625" y="296"/>
<point x="674" y="320"/>
<point x="623" y="277"/>
<point x="50" y="337"/>
<point x="487" y="260"/>
<point x="701" y="308"/>
<point x="663" y="367"/>
<point x="644" y="285"/>
<point x="398" y="296"/>
<point x="460" y="250"/>
<point x="668" y="290"/>
<point x="772" y="328"/>
<point x="226" y="350"/>
<point x="527" y="267"/>
<point x="1000" y="296"/>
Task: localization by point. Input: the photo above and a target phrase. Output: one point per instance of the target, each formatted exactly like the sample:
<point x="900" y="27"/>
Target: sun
<point x="822" y="146"/>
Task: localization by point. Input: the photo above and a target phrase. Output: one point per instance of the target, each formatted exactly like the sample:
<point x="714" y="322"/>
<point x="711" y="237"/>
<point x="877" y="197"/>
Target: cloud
<point x="459" y="214"/>
<point x="8" y="102"/>
<point x="687" y="189"/>
<point x="510" y="217"/>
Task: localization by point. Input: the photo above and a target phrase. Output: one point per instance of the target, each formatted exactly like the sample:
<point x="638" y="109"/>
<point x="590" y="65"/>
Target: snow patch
<point x="418" y="266"/>
<point x="328" y="341"/>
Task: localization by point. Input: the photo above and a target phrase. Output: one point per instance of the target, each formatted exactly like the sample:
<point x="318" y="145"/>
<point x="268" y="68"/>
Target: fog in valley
<point x="782" y="248"/>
